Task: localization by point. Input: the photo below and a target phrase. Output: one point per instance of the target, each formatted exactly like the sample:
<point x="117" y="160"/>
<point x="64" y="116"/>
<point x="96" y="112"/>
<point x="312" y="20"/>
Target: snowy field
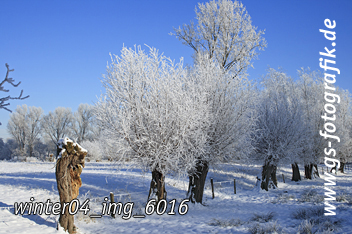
<point x="292" y="208"/>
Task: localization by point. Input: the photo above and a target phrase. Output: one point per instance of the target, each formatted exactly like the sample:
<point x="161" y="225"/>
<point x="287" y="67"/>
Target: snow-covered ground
<point x="288" y="209"/>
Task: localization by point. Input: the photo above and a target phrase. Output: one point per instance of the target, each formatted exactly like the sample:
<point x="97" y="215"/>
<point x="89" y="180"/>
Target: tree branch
<point x="4" y="100"/>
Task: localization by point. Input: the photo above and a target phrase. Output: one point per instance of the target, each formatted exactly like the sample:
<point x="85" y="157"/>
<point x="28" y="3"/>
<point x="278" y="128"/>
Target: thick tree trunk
<point x="268" y="176"/>
<point x="197" y="182"/>
<point x="308" y="168"/>
<point x="157" y="186"/>
<point x="68" y="170"/>
<point x="296" y="176"/>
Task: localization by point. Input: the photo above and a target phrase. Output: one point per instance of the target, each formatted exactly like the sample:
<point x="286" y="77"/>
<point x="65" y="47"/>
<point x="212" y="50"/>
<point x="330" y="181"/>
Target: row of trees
<point x="174" y="120"/>
<point x="36" y="134"/>
<point x="290" y="115"/>
<point x="276" y="122"/>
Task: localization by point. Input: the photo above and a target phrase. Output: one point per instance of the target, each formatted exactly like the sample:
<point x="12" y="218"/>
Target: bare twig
<point x="4" y="100"/>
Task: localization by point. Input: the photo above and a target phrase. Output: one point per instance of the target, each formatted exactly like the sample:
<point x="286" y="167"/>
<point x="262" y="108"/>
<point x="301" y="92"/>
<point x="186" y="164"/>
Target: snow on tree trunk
<point x="68" y="170"/>
<point x="268" y="176"/>
<point x="296" y="176"/>
<point x="197" y="182"/>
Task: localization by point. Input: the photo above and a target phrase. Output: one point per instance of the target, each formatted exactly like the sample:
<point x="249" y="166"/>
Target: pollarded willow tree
<point x="228" y="123"/>
<point x="311" y="92"/>
<point x="224" y="35"/>
<point x="151" y="115"/>
<point x="280" y="134"/>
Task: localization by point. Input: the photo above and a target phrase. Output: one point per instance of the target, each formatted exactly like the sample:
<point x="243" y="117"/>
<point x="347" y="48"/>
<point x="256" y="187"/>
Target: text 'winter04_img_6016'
<point x="108" y="208"/>
<point x="69" y="166"/>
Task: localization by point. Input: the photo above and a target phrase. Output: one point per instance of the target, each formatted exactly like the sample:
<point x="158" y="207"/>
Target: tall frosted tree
<point x="228" y="122"/>
<point x="280" y="129"/>
<point x="224" y="32"/>
<point x="311" y="92"/>
<point x="148" y="115"/>
<point x="224" y="36"/>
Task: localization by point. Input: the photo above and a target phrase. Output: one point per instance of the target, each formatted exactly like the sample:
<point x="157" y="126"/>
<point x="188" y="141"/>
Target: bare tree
<point x="56" y="125"/>
<point x="82" y="124"/>
<point x="34" y="117"/>
<point x="4" y="100"/>
<point x="224" y="32"/>
<point x="24" y="127"/>
<point x="18" y="128"/>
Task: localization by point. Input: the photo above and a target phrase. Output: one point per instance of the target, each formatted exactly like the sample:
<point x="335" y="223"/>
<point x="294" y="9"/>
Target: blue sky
<point x="60" y="49"/>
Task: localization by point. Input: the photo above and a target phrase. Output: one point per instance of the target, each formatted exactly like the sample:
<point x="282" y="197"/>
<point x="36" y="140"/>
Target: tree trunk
<point x="296" y="176"/>
<point x="157" y="186"/>
<point x="315" y="170"/>
<point x="342" y="167"/>
<point x="308" y="171"/>
<point x="268" y="176"/>
<point x="68" y="170"/>
<point x="197" y="182"/>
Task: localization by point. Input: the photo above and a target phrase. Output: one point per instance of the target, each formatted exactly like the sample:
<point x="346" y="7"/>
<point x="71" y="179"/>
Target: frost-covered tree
<point x="148" y="115"/>
<point x="228" y="119"/>
<point x="24" y="127"/>
<point x="18" y="128"/>
<point x="82" y="123"/>
<point x="94" y="149"/>
<point x="4" y="100"/>
<point x="57" y="124"/>
<point x="311" y="92"/>
<point x="224" y="42"/>
<point x="280" y="131"/>
<point x="343" y="126"/>
<point x="34" y="117"/>
<point x="224" y="31"/>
